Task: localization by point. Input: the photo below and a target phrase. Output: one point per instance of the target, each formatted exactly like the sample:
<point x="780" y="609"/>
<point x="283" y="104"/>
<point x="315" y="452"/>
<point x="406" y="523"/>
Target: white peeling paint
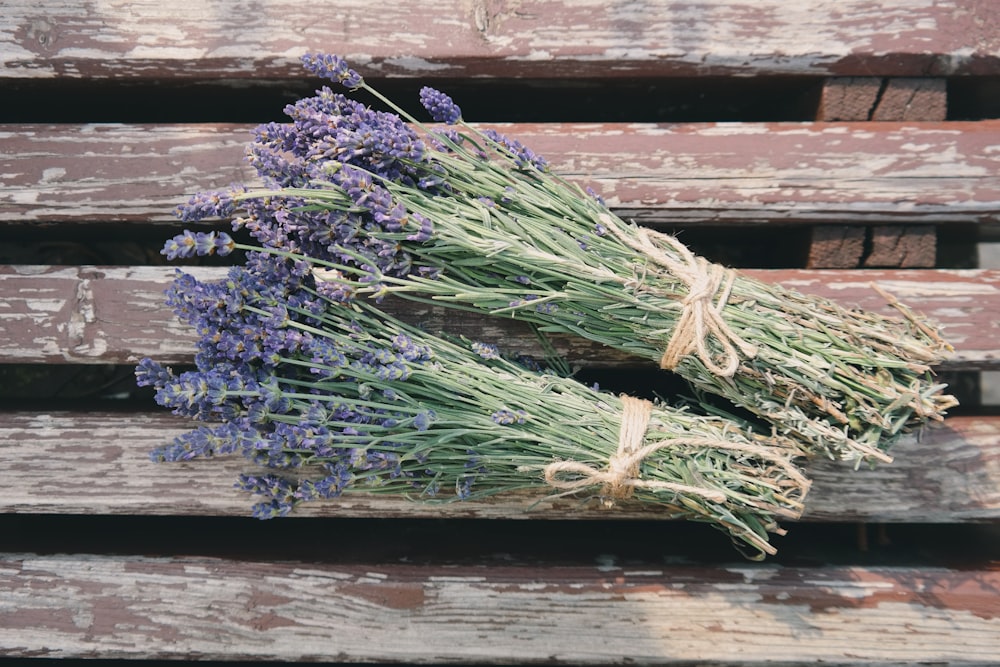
<point x="930" y="288"/>
<point x="52" y="174"/>
<point x="415" y="64"/>
<point x="44" y="305"/>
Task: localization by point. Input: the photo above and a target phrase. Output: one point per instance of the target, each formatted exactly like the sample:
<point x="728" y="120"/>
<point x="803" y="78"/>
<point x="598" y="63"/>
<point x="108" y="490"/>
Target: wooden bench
<point x="822" y="145"/>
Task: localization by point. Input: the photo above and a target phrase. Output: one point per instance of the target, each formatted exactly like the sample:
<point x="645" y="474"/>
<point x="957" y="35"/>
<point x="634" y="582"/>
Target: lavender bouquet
<point x="336" y="397"/>
<point x="473" y="219"/>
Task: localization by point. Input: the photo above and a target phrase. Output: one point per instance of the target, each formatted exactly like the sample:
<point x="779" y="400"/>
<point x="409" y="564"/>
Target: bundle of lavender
<point x="338" y="397"/>
<point x="475" y="220"/>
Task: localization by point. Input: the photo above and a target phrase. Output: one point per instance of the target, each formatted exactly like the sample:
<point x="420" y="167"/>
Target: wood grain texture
<point x="905" y="246"/>
<point x="213" y="608"/>
<point x="836" y="246"/>
<point x="912" y="99"/>
<point x="98" y="464"/>
<point x="118" y="315"/>
<point x="759" y="173"/>
<point x="893" y="99"/>
<point x="848" y="98"/>
<point x="225" y="39"/>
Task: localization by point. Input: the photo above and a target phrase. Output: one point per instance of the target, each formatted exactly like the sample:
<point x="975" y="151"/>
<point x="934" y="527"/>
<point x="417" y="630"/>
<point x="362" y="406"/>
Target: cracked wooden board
<point x="118" y="314"/>
<point x="65" y="606"/>
<point x="893" y="99"/>
<point x="97" y="463"/>
<point x="677" y="174"/>
<point x="219" y="39"/>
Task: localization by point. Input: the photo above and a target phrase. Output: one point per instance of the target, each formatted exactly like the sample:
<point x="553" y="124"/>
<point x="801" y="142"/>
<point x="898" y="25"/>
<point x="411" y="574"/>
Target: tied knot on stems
<point x="620" y="479"/>
<point x="700" y="319"/>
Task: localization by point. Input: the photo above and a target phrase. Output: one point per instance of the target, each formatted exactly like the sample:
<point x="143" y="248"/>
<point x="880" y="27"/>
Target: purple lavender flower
<point x="149" y="373"/>
<point x="507" y="417"/>
<point x="485" y="350"/>
<point x="440" y="106"/>
<point x="423" y="420"/>
<point x="598" y="198"/>
<point x="198" y="244"/>
<point x="523" y="156"/>
<point x="206" y="205"/>
<point x="332" y="67"/>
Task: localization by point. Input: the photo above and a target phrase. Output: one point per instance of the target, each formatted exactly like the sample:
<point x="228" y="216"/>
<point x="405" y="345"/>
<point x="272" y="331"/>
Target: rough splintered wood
<point x="881" y="246"/>
<point x="129" y="607"/>
<point x="836" y="247"/>
<point x="912" y="99"/>
<point x="873" y="98"/>
<point x="118" y="314"/>
<point x="848" y="98"/>
<point x="98" y="464"/>
<point x="448" y="38"/>
<point x="781" y="173"/>
<point x="905" y="246"/>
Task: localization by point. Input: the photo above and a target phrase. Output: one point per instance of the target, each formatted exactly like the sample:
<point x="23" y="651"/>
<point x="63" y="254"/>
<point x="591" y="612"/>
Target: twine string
<point x="700" y="319"/>
<point x="620" y="479"/>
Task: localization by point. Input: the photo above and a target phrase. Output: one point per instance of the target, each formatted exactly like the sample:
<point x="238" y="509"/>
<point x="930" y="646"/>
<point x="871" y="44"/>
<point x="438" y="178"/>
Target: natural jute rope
<point x="699" y="317"/>
<point x="620" y="479"/>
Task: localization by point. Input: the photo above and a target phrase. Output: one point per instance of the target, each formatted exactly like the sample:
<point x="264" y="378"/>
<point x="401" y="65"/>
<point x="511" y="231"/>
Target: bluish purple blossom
<point x="332" y="67"/>
<point x="523" y="157"/>
<point x="440" y="106"/>
<point x="507" y="417"/>
<point x="198" y="244"/>
<point x="286" y="397"/>
<point x="206" y="205"/>
<point x="149" y="373"/>
<point x="485" y="350"/>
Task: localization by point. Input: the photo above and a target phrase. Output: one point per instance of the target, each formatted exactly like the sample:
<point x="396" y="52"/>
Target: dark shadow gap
<point x="503" y="542"/>
<point x="486" y="100"/>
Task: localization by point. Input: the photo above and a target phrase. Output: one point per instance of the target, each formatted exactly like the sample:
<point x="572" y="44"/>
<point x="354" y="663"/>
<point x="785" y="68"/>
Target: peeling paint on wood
<point x="97" y="463"/>
<point x="68" y="606"/>
<point x="449" y="38"/>
<point x="118" y="314"/>
<point x="85" y="463"/>
<point x="783" y="173"/>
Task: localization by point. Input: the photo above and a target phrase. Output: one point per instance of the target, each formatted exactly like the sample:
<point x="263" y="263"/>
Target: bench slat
<point x="215" y="608"/>
<point x="117" y="314"/>
<point x="449" y="38"/>
<point x="98" y="463"/>
<point x="782" y="173"/>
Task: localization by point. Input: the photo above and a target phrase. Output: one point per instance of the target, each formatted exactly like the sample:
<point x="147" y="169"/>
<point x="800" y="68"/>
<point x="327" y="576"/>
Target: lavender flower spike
<point x="206" y="205"/>
<point x="334" y="68"/>
<point x="440" y="106"/>
<point x="197" y="244"/>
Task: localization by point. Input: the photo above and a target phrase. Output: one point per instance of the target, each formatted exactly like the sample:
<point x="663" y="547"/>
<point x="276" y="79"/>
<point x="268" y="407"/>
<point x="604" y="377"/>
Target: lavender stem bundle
<point x="473" y="219"/>
<point x="338" y="397"/>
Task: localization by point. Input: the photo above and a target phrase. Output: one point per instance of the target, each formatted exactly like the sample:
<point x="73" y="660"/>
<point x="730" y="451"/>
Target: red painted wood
<point x="778" y="173"/>
<point x="117" y="314"/>
<point x="220" y="39"/>
<point x="97" y="463"/>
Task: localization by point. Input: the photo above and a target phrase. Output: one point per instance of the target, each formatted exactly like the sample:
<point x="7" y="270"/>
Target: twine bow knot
<point x="699" y="319"/>
<point x="620" y="479"/>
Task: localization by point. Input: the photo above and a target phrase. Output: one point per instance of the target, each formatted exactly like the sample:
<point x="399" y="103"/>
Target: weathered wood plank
<point x="97" y="463"/>
<point x="212" y="608"/>
<point x="852" y="246"/>
<point x="849" y="98"/>
<point x="872" y="98"/>
<point x="112" y="173"/>
<point x="836" y="246"/>
<point x="760" y="173"/>
<point x="450" y="38"/>
<point x="912" y="99"/>
<point x="905" y="246"/>
<point x="118" y="315"/>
